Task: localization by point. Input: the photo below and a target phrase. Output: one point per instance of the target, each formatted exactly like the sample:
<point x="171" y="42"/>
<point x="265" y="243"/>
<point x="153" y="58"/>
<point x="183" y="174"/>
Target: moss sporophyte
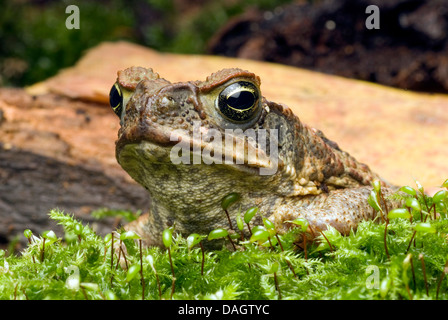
<point x="405" y="248"/>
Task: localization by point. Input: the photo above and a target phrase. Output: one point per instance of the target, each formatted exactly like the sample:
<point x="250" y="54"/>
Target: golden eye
<point x="239" y="101"/>
<point x="116" y="99"/>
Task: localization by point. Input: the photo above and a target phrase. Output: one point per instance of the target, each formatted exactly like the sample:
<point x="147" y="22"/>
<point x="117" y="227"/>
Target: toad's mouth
<point x="203" y="146"/>
<point x="188" y="187"/>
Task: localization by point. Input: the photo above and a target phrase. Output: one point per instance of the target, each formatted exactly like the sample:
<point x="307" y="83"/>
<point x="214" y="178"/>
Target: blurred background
<point x="410" y="50"/>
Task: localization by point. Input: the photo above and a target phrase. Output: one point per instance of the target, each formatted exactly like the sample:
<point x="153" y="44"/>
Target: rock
<point x="391" y="130"/>
<point x="58" y="153"/>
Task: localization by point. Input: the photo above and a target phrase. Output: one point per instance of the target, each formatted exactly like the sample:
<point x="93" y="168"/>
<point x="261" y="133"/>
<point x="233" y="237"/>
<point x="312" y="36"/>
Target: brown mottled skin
<point x="315" y="179"/>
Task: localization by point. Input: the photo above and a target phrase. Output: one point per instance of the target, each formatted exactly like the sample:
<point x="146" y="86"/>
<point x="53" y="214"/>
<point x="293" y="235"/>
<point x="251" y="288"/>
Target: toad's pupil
<point x="115" y="100"/>
<point x="241" y="100"/>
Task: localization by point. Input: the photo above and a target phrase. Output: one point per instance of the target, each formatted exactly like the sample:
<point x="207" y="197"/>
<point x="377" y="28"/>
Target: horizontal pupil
<point x="115" y="100"/>
<point x="241" y="100"/>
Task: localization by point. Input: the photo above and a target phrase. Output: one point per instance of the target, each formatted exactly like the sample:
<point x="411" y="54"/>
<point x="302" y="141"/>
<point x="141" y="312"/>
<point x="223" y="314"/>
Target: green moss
<point x="354" y="267"/>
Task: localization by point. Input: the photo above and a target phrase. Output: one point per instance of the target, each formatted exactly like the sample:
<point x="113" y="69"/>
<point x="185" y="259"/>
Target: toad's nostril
<point x="166" y="101"/>
<point x="165" y="106"/>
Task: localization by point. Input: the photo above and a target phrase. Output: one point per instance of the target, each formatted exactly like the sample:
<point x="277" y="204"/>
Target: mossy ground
<point x="81" y="265"/>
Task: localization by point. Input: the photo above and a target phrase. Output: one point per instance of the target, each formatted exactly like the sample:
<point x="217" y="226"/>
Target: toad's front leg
<point x="342" y="209"/>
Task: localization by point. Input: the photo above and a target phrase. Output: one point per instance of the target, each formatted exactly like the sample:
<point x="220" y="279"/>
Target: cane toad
<point x="192" y="143"/>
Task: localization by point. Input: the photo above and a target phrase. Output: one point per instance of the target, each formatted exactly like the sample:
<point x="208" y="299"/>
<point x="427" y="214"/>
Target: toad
<point x="192" y="143"/>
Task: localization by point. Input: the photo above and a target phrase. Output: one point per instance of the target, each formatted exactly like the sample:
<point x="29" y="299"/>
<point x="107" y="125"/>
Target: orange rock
<point x="401" y="135"/>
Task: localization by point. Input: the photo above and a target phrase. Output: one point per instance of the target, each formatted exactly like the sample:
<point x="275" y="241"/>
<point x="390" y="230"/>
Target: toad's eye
<point x="239" y="101"/>
<point x="116" y="99"/>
